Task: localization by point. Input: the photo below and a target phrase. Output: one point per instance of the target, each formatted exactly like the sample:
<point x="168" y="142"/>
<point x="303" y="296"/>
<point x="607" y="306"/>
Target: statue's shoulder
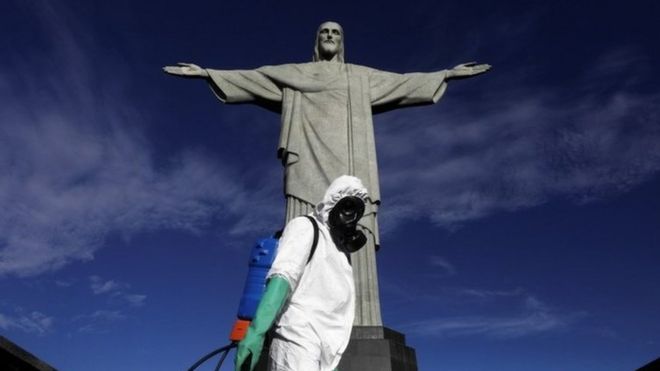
<point x="356" y="68"/>
<point x="286" y="66"/>
<point x="314" y="68"/>
<point x="304" y="68"/>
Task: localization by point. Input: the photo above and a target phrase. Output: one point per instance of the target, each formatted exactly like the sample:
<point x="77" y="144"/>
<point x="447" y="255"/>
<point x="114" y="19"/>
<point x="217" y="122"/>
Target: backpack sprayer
<point x="261" y="259"/>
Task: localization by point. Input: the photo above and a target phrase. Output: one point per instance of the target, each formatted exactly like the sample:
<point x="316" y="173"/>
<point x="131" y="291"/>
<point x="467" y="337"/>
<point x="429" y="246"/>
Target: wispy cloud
<point x="442" y="263"/>
<point x="119" y="298"/>
<point x="100" y="286"/>
<point x="488" y="294"/>
<point x="63" y="283"/>
<point x="495" y="327"/>
<point x="136" y="300"/>
<point x="482" y="312"/>
<point x="106" y="315"/>
<point x="532" y="318"/>
<point x="98" y="321"/>
<point x="517" y="146"/>
<point x="116" y="290"/>
<point x="74" y="165"/>
<point x="34" y="322"/>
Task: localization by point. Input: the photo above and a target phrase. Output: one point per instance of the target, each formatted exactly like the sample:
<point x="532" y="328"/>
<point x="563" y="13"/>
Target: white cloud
<point x="515" y="147"/>
<point x="99" y="286"/>
<point x="107" y="315"/>
<point x="534" y="317"/>
<point x="443" y="264"/>
<point x="62" y="283"/>
<point x="495" y="327"/>
<point x="471" y="312"/>
<point x="66" y="188"/>
<point x="74" y="165"/>
<point x="489" y="294"/>
<point x="136" y="300"/>
<point x="34" y="322"/>
<point x="98" y="321"/>
<point x="116" y="290"/>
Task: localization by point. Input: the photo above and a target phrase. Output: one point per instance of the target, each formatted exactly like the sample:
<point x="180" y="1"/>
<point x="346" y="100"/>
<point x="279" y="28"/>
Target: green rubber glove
<point x="249" y="349"/>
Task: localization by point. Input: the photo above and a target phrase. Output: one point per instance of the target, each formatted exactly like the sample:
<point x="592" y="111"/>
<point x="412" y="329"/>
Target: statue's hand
<point x="469" y="69"/>
<point x="186" y="70"/>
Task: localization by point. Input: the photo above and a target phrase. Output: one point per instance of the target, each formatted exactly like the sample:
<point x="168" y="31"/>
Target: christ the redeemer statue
<point x="327" y="129"/>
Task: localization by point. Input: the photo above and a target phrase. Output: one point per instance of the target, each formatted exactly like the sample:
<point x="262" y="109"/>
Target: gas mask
<point x="343" y="219"/>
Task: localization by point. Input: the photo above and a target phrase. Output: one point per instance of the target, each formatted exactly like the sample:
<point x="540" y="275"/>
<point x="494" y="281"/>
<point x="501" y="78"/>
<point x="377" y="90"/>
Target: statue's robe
<point x="327" y="131"/>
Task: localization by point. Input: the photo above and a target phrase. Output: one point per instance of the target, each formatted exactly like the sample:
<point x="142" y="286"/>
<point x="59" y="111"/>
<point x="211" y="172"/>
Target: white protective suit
<point x="314" y="327"/>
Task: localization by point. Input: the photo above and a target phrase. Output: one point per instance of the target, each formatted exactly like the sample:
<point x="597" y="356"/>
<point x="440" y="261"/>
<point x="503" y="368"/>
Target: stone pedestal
<point x="372" y="348"/>
<point x="377" y="348"/>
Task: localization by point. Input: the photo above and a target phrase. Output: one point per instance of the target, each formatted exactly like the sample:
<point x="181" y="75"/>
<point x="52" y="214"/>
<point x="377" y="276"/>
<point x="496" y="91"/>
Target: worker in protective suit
<point x="310" y="295"/>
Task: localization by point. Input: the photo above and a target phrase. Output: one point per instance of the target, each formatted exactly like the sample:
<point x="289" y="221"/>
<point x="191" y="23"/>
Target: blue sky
<point x="520" y="214"/>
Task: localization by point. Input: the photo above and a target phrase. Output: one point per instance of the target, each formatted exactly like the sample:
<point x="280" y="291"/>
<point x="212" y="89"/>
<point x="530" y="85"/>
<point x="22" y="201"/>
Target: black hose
<point x="224" y="349"/>
<point x="222" y="360"/>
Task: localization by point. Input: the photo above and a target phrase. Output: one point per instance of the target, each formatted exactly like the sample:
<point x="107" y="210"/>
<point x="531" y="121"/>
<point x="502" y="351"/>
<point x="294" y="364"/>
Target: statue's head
<point x="329" y="43"/>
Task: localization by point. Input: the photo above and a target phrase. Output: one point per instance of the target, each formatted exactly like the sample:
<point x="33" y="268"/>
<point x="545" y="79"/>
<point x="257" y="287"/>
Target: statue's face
<point x="329" y="40"/>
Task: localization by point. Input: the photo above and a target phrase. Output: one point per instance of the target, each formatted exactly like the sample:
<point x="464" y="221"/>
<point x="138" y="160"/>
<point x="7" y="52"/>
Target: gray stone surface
<point x="377" y="348"/>
<point x="372" y="348"/>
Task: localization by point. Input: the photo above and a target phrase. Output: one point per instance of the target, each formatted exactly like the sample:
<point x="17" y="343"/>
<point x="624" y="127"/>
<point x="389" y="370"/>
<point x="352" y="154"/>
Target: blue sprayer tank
<point x="261" y="259"/>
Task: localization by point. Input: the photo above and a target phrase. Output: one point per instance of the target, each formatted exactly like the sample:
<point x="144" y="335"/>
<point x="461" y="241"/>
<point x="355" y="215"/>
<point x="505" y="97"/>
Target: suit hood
<point x="341" y="187"/>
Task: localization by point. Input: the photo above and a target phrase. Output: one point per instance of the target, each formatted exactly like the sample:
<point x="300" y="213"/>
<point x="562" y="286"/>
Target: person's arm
<point x="283" y="277"/>
<point x="249" y="349"/>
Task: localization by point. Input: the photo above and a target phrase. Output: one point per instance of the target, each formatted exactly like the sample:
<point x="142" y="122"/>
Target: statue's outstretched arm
<point x="188" y="70"/>
<point x="465" y="70"/>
